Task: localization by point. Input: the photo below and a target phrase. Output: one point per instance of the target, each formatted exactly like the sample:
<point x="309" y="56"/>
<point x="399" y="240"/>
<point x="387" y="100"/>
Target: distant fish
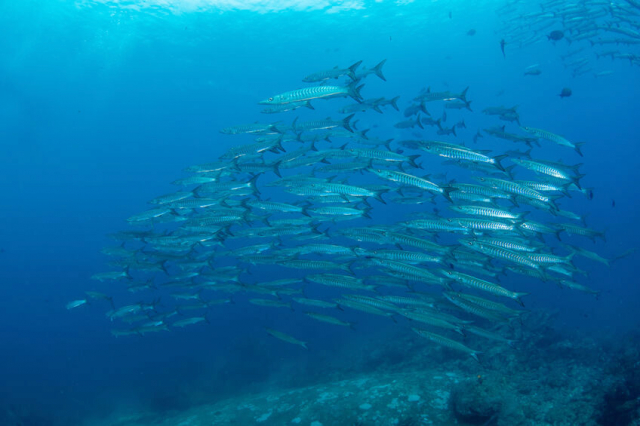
<point x="444" y="341"/>
<point x="565" y="93"/>
<point x="533" y="70"/>
<point x="543" y="134"/>
<point x="76" y="303"/>
<point x="377" y="70"/>
<point x="502" y="44"/>
<point x="471" y="32"/>
<point x="285" y="337"/>
<point x="332" y="74"/>
<point x="555" y="35"/>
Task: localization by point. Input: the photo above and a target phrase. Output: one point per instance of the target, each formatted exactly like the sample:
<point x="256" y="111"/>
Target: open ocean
<point x="194" y="320"/>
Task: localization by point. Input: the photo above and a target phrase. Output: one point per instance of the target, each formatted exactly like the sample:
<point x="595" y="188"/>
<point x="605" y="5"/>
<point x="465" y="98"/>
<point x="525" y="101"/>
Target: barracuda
<point x="336" y="280"/>
<point x="333" y="74"/>
<point x="487" y="211"/>
<point x="430" y="320"/>
<point x="364" y="308"/>
<point x="375" y="302"/>
<point x="477" y="283"/>
<point x="473" y="308"/>
<point x="483" y="224"/>
<point x="510" y="244"/>
<point x="436" y="225"/>
<point x="552" y="137"/>
<point x="490" y="304"/>
<point x="551" y="170"/>
<point x="500" y="253"/>
<point x="513" y="188"/>
<point x="464" y="154"/>
<point x="318" y="92"/>
<point x="407" y="179"/>
<point x="400" y="255"/>
<point x="329" y="319"/>
<point x="451" y="344"/>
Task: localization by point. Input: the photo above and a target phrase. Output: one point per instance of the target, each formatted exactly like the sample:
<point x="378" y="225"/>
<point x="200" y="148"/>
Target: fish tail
<point x="252" y="184"/>
<point x="463" y="95"/>
<point x="352" y="70"/>
<point x="276" y="168"/>
<point x="353" y="90"/>
<point x="419" y="123"/>
<point x="576" y="181"/>
<point x="377" y="70"/>
<point x="412" y="161"/>
<point x="497" y="162"/>
<point x="345" y="123"/>
<point x="378" y="196"/>
<point x="578" y="148"/>
<point x="518" y="296"/>
<point x="446" y="194"/>
<point x="423" y="108"/>
<point x="394" y="104"/>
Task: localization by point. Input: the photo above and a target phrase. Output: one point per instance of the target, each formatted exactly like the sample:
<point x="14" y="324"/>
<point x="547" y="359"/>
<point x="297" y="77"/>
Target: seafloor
<point x="548" y="378"/>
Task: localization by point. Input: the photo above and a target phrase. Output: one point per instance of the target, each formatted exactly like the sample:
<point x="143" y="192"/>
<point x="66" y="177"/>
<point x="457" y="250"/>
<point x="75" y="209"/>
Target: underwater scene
<point x="320" y="212"/>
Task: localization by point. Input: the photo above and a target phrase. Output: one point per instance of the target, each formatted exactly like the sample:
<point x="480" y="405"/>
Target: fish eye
<point x="270" y="99"/>
<point x="379" y="171"/>
<point x="470" y="243"/>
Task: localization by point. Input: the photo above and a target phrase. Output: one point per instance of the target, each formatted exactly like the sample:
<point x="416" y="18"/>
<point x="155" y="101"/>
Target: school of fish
<point x="594" y="33"/>
<point x="329" y="208"/>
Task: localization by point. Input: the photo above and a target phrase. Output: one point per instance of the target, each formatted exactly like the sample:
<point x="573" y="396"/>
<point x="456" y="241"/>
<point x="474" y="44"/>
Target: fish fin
<point x="412" y="161"/>
<point x="463" y="95"/>
<point x="354" y="91"/>
<point x="345" y="123"/>
<point x="518" y="296"/>
<point x="498" y="159"/>
<point x="394" y="104"/>
<point x="377" y="70"/>
<point x="423" y="108"/>
<point x="352" y="70"/>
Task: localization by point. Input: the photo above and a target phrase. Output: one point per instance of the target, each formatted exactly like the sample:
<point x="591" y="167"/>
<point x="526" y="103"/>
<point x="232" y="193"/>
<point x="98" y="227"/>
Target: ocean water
<point x="104" y="103"/>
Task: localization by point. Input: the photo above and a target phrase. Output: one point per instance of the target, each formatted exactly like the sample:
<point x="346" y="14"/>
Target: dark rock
<point x="474" y="403"/>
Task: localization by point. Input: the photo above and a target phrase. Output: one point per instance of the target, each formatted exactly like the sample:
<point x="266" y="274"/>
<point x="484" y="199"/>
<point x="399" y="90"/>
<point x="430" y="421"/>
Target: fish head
<point x="269" y="101"/>
<point x="468" y="242"/>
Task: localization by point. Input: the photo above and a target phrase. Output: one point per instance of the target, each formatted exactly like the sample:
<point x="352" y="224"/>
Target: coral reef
<point x="549" y="379"/>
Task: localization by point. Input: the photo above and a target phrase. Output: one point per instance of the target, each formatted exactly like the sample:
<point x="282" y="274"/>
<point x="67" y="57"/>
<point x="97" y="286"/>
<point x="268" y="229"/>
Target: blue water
<point x="102" y="104"/>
